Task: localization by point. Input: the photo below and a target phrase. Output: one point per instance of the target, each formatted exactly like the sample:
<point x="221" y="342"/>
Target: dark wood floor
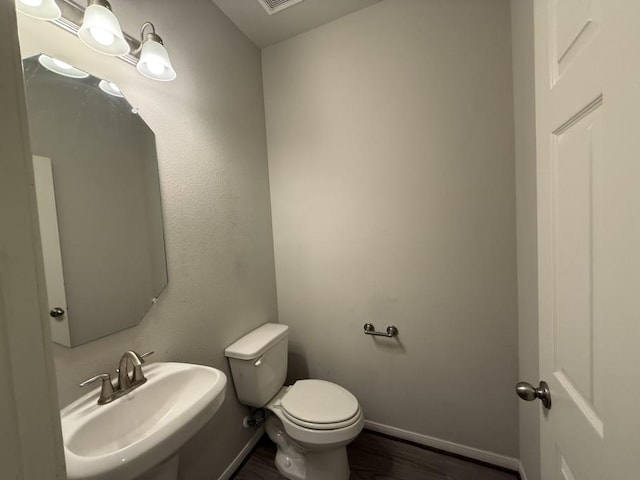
<point x="377" y="457"/>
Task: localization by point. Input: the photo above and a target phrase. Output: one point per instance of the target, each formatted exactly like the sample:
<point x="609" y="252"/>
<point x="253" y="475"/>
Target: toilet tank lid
<point x="257" y="341"/>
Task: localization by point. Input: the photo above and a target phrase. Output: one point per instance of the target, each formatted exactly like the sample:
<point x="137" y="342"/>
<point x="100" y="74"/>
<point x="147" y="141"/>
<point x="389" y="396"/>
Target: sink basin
<point x="138" y="431"/>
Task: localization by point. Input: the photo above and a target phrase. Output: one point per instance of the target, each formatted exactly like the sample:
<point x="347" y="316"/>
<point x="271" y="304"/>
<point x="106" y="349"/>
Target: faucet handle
<point x="106" y="392"/>
<point x="150" y="352"/>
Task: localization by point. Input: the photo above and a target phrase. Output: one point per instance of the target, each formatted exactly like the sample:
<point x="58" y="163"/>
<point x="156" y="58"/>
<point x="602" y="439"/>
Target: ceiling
<point x="264" y="29"/>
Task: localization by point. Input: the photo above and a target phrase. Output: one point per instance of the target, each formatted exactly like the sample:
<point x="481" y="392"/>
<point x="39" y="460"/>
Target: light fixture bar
<point x="71" y="20"/>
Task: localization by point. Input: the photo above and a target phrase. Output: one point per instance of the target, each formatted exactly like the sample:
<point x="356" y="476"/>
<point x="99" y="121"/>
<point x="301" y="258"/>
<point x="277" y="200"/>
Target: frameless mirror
<point x="98" y="199"/>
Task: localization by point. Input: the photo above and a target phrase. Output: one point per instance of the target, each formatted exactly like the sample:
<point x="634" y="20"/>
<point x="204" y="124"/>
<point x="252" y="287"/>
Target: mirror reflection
<point x="98" y="201"/>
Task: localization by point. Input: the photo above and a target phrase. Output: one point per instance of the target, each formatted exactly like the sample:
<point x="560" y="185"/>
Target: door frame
<point x="29" y="412"/>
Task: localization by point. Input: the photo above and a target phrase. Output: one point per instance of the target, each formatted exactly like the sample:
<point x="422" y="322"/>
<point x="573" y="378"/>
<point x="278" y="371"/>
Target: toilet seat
<point x="322" y="426"/>
<point x="320" y="405"/>
<point x="310" y="434"/>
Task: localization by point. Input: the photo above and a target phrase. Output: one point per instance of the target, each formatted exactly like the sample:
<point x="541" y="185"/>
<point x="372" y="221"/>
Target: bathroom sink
<point x="139" y="430"/>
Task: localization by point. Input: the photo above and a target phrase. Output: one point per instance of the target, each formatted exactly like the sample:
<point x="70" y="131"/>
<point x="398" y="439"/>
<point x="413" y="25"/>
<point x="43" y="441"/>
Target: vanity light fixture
<point x="101" y="30"/>
<point x="110" y="88"/>
<point x="97" y="27"/>
<point x="154" y="60"/>
<point x="61" y="68"/>
<point x="41" y="9"/>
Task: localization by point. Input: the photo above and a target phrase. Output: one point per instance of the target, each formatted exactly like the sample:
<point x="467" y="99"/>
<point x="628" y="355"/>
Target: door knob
<point x="528" y="392"/>
<point x="56" y="312"/>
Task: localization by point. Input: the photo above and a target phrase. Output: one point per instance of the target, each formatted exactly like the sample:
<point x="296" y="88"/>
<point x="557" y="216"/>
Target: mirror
<point x="98" y="198"/>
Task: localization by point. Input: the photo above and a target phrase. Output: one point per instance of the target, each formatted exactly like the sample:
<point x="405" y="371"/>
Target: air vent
<point x="275" y="6"/>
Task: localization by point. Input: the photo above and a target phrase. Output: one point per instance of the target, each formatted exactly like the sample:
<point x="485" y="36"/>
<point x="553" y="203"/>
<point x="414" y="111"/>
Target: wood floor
<point x="377" y="457"/>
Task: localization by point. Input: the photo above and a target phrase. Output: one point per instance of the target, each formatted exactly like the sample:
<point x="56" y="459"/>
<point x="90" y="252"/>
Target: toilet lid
<point x="319" y="402"/>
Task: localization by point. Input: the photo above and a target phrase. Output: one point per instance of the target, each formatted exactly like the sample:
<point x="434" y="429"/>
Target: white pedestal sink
<point x="144" y="428"/>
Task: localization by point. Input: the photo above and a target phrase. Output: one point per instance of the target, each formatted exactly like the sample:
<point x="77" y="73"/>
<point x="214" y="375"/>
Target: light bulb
<point x="154" y="60"/>
<point x="155" y="67"/>
<point x="101" y="30"/>
<point x="61" y="64"/>
<point x="103" y="37"/>
<point x="40" y="9"/>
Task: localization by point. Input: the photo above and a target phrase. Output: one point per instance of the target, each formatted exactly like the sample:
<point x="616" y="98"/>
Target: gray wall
<point x="390" y="135"/>
<point x="210" y="131"/>
<point x="525" y="141"/>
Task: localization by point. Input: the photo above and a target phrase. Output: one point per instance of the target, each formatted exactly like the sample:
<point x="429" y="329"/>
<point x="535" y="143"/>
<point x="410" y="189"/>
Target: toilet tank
<point x="259" y="363"/>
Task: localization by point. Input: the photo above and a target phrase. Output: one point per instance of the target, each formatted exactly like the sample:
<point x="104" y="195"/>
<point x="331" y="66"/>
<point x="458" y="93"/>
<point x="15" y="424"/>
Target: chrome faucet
<point x="125" y="383"/>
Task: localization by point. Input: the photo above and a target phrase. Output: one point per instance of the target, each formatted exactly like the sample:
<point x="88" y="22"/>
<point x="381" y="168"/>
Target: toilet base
<point x="294" y="464"/>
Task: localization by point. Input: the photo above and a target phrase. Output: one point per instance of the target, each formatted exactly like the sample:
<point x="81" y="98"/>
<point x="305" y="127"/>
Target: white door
<point x="51" y="253"/>
<point x="588" y="165"/>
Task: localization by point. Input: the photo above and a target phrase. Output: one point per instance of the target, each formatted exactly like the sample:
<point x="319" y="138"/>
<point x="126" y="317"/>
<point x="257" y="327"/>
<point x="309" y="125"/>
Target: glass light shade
<point x="110" y="88"/>
<point x="101" y="31"/>
<point x="40" y="9"/>
<point x="154" y="62"/>
<point x="61" y="68"/>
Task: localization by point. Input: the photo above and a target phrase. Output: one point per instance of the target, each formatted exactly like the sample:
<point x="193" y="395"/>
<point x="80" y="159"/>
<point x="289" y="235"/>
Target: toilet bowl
<point x="311" y="421"/>
<point x="312" y="429"/>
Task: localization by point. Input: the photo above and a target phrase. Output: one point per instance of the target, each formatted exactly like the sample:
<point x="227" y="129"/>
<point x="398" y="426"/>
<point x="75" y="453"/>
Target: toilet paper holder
<point x="392" y="331"/>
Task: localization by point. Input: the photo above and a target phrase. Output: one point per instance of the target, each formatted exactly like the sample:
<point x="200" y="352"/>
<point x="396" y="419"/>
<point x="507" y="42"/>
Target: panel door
<point x="587" y="94"/>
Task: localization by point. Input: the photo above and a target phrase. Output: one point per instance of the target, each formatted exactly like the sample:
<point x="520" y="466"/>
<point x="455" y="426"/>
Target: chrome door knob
<point x="528" y="392"/>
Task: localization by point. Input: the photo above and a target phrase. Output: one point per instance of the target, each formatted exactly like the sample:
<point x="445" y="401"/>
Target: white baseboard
<point x="523" y="474"/>
<point x="451" y="447"/>
<point x="231" y="469"/>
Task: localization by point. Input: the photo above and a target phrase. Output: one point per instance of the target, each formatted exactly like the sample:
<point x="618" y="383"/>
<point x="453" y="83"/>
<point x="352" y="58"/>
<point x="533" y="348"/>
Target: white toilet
<point x="311" y="421"/>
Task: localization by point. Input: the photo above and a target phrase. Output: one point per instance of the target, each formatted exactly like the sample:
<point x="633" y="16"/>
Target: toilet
<point x="311" y="421"/>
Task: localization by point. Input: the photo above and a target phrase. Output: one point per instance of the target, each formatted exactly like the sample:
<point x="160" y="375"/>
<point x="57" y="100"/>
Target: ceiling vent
<point x="275" y="6"/>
